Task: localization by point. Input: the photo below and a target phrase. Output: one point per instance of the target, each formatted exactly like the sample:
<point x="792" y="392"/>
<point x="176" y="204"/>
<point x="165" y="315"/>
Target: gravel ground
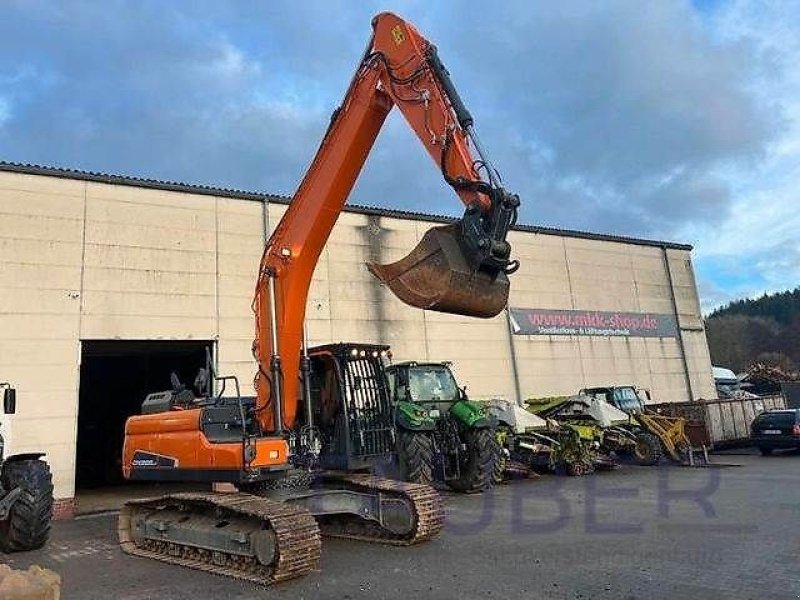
<point x="636" y="532"/>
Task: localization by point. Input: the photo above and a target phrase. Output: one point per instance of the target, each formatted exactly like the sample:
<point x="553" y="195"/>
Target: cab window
<point x="432" y="383"/>
<point x="627" y="399"/>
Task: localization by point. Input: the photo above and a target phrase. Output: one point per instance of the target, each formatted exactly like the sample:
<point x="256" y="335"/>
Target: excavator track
<point x="426" y="504"/>
<point x="297" y="543"/>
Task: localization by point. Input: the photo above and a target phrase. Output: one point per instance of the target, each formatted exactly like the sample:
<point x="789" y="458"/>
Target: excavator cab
<point x="353" y="412"/>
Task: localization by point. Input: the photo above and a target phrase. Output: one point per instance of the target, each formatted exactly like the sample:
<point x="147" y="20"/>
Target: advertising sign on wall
<point x="542" y="321"/>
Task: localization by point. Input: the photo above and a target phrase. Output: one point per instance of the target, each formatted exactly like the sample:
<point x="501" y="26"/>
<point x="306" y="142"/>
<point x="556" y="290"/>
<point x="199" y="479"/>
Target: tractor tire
<point x="623" y="451"/>
<point x="500" y="464"/>
<point x="415" y="456"/>
<point x="28" y="524"/>
<point x="648" y="451"/>
<point x="579" y="469"/>
<point x="479" y="471"/>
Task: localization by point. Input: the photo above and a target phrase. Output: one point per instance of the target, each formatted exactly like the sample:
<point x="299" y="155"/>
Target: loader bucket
<point x="437" y="276"/>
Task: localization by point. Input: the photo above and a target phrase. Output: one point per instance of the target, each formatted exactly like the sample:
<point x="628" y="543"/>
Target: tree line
<point x="756" y="330"/>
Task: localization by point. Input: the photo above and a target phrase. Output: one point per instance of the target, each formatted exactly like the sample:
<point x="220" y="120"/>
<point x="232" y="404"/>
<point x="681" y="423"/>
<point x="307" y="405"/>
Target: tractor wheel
<point x="624" y="450"/>
<point x="648" y="450"/>
<point x="415" y="456"/>
<point x="28" y="524"/>
<point x="500" y="464"/>
<point x="479" y="469"/>
<point x="579" y="469"/>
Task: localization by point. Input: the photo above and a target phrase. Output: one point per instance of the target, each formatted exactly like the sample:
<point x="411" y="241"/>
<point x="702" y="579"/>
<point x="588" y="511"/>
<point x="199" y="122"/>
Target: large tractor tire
<point x="500" y="464"/>
<point x="648" y="451"/>
<point x="28" y="524"/>
<point x="579" y="468"/>
<point x="479" y="469"/>
<point x="415" y="456"/>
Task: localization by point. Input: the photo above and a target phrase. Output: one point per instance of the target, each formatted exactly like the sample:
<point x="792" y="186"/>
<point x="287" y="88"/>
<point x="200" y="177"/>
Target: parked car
<point x="776" y="430"/>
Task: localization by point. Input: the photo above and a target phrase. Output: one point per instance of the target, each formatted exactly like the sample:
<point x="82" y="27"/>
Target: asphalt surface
<point x="665" y="532"/>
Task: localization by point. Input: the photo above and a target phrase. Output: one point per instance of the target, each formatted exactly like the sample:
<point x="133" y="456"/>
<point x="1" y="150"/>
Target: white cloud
<point x="760" y="237"/>
<point x="624" y="117"/>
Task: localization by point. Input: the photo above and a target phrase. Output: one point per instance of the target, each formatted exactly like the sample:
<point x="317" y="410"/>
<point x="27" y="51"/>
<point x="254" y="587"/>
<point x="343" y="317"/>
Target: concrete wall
<point x="583" y="274"/>
<point x="83" y="260"/>
<point x="41" y="250"/>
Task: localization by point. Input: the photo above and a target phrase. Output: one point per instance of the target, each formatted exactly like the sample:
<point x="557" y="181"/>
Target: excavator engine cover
<point x="436" y="275"/>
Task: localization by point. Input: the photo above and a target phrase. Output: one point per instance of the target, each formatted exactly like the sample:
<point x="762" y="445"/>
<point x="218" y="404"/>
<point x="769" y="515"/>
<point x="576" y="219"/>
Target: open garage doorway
<point x="115" y="377"/>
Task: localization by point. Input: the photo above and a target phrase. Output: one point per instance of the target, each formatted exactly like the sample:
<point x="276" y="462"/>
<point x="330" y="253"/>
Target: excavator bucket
<point x="437" y="276"/>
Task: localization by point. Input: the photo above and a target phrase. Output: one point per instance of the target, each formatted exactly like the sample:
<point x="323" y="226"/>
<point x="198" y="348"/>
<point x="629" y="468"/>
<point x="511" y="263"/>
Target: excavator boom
<point x="460" y="268"/>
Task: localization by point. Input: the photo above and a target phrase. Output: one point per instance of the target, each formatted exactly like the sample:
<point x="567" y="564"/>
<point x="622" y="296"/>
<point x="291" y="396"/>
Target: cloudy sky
<point x="669" y="120"/>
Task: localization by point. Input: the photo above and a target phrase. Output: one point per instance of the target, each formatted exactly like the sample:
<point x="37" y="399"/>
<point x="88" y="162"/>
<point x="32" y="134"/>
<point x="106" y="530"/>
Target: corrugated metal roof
<point x="174" y="186"/>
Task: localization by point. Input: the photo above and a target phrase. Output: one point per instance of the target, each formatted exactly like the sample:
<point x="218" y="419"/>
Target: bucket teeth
<point x="437" y="276"/>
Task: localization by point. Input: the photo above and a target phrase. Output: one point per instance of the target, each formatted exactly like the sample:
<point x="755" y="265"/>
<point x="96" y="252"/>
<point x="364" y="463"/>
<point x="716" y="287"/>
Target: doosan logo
<point x="148" y="460"/>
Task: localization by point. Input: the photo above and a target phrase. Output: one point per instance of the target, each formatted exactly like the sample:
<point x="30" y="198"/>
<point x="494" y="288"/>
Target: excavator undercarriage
<point x="270" y="539"/>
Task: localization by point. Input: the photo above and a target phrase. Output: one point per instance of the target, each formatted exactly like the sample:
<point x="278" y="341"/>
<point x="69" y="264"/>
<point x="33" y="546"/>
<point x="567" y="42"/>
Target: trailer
<point x="720" y="422"/>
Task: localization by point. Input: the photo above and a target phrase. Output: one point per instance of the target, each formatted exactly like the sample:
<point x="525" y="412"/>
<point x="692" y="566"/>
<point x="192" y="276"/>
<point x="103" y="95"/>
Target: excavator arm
<point x="460" y="268"/>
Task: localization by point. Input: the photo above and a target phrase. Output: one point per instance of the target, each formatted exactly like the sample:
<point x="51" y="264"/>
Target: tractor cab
<point x="429" y="385"/>
<point x="626" y="398"/>
<point x="425" y="392"/>
<point x="441" y="434"/>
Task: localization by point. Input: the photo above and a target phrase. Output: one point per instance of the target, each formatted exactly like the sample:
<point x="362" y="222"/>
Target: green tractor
<point x="441" y="434"/>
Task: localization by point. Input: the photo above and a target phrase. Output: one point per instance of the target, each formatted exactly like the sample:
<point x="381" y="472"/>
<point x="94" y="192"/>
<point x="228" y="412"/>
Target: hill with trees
<point x="765" y="330"/>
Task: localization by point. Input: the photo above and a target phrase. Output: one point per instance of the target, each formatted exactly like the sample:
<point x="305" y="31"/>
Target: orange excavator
<point x="301" y="452"/>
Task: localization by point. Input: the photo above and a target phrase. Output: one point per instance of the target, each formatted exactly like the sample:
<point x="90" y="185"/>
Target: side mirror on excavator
<point x="9" y="401"/>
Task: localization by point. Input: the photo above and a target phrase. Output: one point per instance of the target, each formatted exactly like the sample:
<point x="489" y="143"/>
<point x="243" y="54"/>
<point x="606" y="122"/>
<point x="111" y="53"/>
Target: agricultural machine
<point x="623" y="424"/>
<point x="441" y="434"/>
<point x="530" y="443"/>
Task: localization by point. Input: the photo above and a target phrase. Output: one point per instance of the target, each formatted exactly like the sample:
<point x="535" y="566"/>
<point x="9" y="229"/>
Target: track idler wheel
<point x="437" y="276"/>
